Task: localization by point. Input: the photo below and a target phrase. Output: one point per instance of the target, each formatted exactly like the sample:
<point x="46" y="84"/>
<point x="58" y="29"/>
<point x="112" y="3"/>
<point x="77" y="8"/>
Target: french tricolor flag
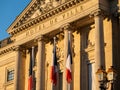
<point x="53" y="75"/>
<point x="30" y="79"/>
<point x="69" y="62"/>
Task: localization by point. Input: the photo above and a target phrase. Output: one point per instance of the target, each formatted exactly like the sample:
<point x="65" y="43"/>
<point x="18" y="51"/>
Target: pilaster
<point x="99" y="41"/>
<point x="17" y="68"/>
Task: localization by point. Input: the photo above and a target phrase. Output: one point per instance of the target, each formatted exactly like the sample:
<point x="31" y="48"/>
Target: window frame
<point x="11" y="68"/>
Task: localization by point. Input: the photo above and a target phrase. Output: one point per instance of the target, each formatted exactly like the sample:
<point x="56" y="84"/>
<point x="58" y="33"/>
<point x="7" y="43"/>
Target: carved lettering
<point x="71" y="12"/>
<point x="43" y="26"/>
<point x="31" y="32"/>
<point x="51" y="21"/>
<point x="68" y="14"/>
<point x="27" y="33"/>
<point x="55" y="20"/>
<point x="39" y="27"/>
<point x="63" y="16"/>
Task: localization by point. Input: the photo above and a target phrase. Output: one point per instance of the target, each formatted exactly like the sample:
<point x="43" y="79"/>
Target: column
<point x="66" y="28"/>
<point x="99" y="44"/>
<point x="99" y="39"/>
<point x="17" y="68"/>
<point x="40" y="79"/>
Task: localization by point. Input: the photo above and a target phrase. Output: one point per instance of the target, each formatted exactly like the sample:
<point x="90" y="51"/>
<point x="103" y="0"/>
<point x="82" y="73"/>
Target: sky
<point x="9" y="10"/>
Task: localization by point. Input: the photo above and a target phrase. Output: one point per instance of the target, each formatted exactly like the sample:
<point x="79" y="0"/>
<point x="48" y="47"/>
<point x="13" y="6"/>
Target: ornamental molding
<point x="6" y="50"/>
<point x="12" y="48"/>
<point x="42" y="17"/>
<point x="39" y="38"/>
<point x="99" y="12"/>
<point x="27" y="12"/>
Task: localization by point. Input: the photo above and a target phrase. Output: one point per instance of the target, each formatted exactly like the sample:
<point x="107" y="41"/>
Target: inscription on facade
<point x="55" y="20"/>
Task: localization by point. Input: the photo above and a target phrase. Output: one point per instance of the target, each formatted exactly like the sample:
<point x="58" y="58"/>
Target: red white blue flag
<point x="53" y="76"/>
<point x="69" y="62"/>
<point x="30" y="79"/>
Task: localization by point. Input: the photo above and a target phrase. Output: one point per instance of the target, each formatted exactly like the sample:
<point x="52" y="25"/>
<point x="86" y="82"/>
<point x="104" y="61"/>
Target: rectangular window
<point x="91" y="76"/>
<point x="10" y="75"/>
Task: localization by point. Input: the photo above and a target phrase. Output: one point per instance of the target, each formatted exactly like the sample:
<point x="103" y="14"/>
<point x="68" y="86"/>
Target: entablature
<point x="55" y="11"/>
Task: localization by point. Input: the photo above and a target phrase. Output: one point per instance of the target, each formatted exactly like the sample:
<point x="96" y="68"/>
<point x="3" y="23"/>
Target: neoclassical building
<point x="95" y="43"/>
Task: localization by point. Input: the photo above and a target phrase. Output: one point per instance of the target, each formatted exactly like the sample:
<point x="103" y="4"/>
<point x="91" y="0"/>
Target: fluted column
<point x="99" y="44"/>
<point x="99" y="39"/>
<point x="40" y="65"/>
<point x="65" y="28"/>
<point x="17" y="68"/>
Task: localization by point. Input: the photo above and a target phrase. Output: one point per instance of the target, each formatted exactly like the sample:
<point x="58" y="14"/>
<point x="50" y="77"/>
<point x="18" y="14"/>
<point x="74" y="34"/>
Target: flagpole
<point x="33" y="48"/>
<point x="69" y="38"/>
<point x="53" y="62"/>
<point x="68" y="43"/>
<point x="68" y="86"/>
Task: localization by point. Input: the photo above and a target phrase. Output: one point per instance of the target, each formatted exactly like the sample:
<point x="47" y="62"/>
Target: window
<point x="10" y="75"/>
<point x="91" y="76"/>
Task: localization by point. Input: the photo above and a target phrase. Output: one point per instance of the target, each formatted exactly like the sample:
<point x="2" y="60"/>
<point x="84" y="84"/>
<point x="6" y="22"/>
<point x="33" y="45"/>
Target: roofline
<point x="20" y="15"/>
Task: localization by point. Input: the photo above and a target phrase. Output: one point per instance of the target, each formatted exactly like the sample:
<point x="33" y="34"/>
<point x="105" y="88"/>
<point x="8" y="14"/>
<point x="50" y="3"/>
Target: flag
<point x="53" y="76"/>
<point x="30" y="79"/>
<point x="69" y="62"/>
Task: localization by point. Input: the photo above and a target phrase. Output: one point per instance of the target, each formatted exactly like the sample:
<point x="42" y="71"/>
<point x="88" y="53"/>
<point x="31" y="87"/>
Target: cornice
<point x="44" y="16"/>
<point x="26" y="13"/>
<point x="9" y="49"/>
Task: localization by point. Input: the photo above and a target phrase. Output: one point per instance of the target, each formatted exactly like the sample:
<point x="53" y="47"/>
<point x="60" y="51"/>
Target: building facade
<point x="95" y="43"/>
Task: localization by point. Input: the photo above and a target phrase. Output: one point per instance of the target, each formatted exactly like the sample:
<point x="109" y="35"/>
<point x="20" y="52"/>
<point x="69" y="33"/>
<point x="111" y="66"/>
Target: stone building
<point x="95" y="43"/>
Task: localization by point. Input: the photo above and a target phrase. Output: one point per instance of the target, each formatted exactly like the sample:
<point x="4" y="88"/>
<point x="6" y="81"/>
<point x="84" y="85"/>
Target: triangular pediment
<point x="35" y="14"/>
<point x="33" y="10"/>
<point x="29" y="12"/>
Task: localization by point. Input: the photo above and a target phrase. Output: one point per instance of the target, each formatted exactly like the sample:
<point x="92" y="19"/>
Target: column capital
<point x="19" y="48"/>
<point x="99" y="12"/>
<point x="66" y="26"/>
<point x="40" y="38"/>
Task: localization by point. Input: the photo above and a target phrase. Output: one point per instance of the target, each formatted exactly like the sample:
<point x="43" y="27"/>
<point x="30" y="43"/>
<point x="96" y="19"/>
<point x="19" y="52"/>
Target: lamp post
<point x="111" y="75"/>
<point x="106" y="77"/>
<point x="101" y="75"/>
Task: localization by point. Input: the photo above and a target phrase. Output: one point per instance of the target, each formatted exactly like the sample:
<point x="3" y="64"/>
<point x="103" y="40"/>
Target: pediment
<point x="35" y="14"/>
<point x="24" y="16"/>
<point x="33" y="10"/>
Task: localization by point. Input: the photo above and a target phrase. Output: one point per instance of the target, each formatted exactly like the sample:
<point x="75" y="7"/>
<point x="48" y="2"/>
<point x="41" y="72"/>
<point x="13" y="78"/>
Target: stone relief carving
<point x="60" y="51"/>
<point x="90" y="44"/>
<point x="60" y="56"/>
<point x="46" y="5"/>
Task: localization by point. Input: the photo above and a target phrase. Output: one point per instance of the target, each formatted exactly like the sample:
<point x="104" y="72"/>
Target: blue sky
<point x="9" y="10"/>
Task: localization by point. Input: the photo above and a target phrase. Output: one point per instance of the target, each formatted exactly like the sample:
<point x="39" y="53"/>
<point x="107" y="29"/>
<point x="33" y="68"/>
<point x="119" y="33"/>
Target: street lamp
<point x="101" y="75"/>
<point x="111" y="74"/>
<point x="106" y="77"/>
